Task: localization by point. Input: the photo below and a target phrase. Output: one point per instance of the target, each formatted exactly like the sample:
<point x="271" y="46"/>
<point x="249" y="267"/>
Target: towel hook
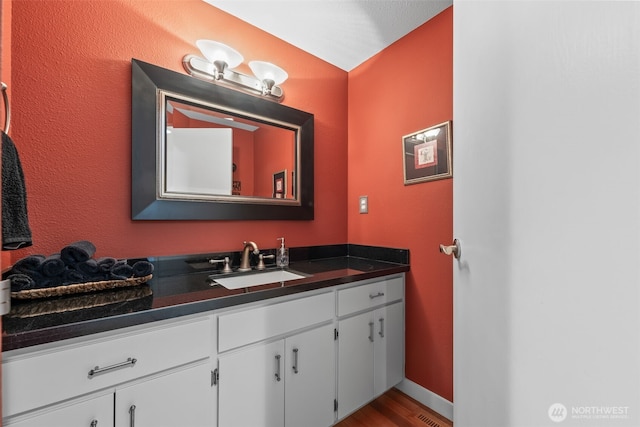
<point x="7" y="108"/>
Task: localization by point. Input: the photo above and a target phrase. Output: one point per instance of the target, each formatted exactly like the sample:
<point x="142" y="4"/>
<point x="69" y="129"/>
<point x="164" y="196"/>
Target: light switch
<point x="364" y="204"/>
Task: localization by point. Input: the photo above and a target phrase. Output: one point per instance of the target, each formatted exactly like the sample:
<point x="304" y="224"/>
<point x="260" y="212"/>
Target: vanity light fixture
<point x="220" y="55"/>
<point x="270" y="74"/>
<point x="217" y="67"/>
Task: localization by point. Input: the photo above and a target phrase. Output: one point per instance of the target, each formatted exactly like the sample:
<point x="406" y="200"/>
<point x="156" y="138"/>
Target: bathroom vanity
<point x="186" y="353"/>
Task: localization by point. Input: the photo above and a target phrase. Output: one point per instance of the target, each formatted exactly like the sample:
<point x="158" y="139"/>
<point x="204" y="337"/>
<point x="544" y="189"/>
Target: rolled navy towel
<point x="50" y="282"/>
<point x="121" y="270"/>
<point x="71" y="276"/>
<point x="105" y="264"/>
<point x="142" y="268"/>
<point x="77" y="252"/>
<point x="29" y="264"/>
<point x="91" y="269"/>
<point x="52" y="266"/>
<point x="88" y="267"/>
<point x="21" y="282"/>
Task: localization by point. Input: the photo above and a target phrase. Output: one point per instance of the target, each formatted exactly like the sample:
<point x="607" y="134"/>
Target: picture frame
<point x="280" y="185"/>
<point x="426" y="154"/>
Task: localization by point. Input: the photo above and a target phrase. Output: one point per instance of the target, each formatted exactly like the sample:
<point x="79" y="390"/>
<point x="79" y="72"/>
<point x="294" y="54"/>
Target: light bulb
<point x="215" y="51"/>
<point x="268" y="71"/>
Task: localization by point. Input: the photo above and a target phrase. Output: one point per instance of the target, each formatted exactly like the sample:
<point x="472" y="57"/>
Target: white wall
<point x="547" y="206"/>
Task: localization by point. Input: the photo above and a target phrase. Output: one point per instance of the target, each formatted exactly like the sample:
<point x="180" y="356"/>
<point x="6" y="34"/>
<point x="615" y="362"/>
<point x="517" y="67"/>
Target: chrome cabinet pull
<point x="379" y="294"/>
<point x="371" y="331"/>
<point x="214" y="377"/>
<point x="132" y="416"/>
<point x="94" y="423"/>
<point x="278" y="367"/>
<point x="98" y="370"/>
<point x="295" y="360"/>
<point x="381" y="333"/>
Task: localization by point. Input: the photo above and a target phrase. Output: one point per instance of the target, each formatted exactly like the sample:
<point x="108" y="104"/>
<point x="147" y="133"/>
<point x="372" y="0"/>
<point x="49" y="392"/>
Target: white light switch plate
<point x="364" y="204"/>
<point x="5" y="296"/>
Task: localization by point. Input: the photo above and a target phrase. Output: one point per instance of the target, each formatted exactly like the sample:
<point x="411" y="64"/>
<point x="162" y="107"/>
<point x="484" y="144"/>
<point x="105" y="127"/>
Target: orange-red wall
<point x="406" y="88"/>
<point x="72" y="123"/>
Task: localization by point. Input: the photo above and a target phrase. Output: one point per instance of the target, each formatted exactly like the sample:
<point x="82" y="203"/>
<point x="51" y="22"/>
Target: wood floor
<point x="395" y="409"/>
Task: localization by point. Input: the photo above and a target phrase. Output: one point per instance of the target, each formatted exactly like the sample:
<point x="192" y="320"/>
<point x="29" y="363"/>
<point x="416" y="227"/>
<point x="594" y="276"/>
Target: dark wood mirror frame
<point x="147" y="81"/>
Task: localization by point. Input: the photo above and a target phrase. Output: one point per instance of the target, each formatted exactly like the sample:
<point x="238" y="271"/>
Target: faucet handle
<point x="226" y="268"/>
<point x="261" y="259"/>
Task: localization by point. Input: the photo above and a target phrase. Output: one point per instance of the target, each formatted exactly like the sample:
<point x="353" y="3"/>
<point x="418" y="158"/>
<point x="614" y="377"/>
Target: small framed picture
<point x="427" y="154"/>
<point x="280" y="185"/>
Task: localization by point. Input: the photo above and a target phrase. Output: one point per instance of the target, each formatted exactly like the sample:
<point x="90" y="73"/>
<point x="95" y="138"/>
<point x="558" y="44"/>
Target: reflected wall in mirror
<point x="202" y="151"/>
<point x="213" y="153"/>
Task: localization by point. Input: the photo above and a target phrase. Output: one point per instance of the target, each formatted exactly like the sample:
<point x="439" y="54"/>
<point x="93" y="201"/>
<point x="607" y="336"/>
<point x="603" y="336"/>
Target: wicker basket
<point x="125" y="299"/>
<point x="78" y="288"/>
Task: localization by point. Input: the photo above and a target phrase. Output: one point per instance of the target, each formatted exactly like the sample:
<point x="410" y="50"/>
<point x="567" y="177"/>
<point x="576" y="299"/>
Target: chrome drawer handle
<point x="98" y="370"/>
<point x="132" y="416"/>
<point x="371" y="331"/>
<point x="278" y="367"/>
<point x="295" y="360"/>
<point x="379" y="294"/>
<point x="381" y="333"/>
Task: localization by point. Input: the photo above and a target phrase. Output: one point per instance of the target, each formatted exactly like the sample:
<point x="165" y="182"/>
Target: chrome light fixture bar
<point x="217" y="67"/>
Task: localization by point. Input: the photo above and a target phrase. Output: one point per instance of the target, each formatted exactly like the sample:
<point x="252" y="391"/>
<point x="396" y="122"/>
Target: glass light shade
<point x="215" y="51"/>
<point x="268" y="71"/>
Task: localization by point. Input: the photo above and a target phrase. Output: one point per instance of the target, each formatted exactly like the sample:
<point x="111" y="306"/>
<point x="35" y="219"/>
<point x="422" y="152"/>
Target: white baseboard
<point x="428" y="398"/>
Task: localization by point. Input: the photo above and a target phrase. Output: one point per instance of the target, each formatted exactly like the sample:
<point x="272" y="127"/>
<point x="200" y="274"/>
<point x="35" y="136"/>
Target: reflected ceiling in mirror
<point x="201" y="151"/>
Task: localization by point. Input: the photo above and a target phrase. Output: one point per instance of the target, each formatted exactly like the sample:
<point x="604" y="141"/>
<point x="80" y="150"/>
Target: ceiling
<point x="344" y="33"/>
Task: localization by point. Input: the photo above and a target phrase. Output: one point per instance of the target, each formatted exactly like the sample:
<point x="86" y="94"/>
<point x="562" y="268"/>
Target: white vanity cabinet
<point x="176" y="399"/>
<point x="94" y="412"/>
<point x="370" y="342"/>
<point x="277" y="364"/>
<point x="164" y="370"/>
<point x="181" y="398"/>
<point x="283" y="362"/>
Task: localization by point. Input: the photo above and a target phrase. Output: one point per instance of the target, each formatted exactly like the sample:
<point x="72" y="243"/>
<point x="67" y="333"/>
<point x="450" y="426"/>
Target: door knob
<point x="452" y="250"/>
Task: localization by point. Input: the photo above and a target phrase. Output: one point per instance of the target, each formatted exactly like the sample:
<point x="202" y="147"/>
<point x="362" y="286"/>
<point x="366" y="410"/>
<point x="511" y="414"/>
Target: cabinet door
<point x="182" y="398"/>
<point x="97" y="412"/>
<point x="355" y="362"/>
<point x="310" y="378"/>
<point x="251" y="387"/>
<point x="388" y="355"/>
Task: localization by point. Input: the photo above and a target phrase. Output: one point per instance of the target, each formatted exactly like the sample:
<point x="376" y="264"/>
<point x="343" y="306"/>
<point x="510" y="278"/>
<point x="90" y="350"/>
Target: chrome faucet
<point x="245" y="264"/>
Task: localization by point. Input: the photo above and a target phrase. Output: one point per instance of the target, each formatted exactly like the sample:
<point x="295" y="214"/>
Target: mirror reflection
<point x="211" y="153"/>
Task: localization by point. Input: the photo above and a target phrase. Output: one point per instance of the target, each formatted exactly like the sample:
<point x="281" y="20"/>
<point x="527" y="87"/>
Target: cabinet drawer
<point x="256" y="324"/>
<point x="99" y="409"/>
<point x="373" y="294"/>
<point x="47" y="376"/>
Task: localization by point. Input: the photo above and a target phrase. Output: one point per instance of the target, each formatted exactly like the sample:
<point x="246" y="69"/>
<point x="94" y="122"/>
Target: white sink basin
<point x="255" y="279"/>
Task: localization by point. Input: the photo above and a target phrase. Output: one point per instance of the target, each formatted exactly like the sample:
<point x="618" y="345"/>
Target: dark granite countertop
<point x="181" y="286"/>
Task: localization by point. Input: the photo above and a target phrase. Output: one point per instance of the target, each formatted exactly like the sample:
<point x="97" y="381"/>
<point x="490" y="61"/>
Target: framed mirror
<point x="206" y="152"/>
